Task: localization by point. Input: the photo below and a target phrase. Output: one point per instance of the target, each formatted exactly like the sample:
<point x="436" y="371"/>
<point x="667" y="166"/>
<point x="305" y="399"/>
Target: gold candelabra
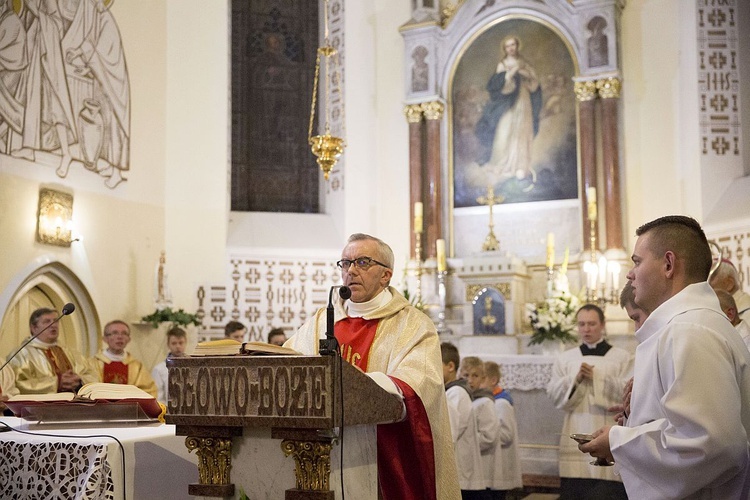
<point x="326" y="147"/>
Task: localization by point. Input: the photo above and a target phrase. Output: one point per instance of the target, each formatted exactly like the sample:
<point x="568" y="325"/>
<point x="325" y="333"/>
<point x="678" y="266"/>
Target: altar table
<point x="87" y="462"/>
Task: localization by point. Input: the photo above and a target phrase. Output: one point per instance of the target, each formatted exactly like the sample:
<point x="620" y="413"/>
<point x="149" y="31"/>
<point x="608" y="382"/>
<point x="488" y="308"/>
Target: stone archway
<point x="48" y="284"/>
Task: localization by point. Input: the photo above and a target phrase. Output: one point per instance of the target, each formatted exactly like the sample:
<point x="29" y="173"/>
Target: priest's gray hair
<point x="386" y="254"/>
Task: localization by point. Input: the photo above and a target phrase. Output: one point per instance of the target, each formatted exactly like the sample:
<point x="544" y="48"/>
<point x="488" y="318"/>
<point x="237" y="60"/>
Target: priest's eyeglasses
<point x="363" y="263"/>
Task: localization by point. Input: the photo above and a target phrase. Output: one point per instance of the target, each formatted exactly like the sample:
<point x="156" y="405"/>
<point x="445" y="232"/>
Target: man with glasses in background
<point x="397" y="345"/>
<point x="115" y="365"/>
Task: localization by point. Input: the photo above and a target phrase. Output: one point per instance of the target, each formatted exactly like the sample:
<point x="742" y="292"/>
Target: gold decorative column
<point x="433" y="112"/>
<point x="414" y="116"/>
<point x="214" y="465"/>
<point x="312" y="465"/>
<point x="609" y="92"/>
<point x="586" y="96"/>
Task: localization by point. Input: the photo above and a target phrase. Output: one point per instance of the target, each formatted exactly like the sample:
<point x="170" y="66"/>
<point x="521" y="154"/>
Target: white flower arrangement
<point x="553" y="318"/>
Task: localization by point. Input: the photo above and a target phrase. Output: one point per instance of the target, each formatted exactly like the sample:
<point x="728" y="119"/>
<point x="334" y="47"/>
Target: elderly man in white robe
<point x="686" y="436"/>
<point x="585" y="382"/>
<point x="397" y="345"/>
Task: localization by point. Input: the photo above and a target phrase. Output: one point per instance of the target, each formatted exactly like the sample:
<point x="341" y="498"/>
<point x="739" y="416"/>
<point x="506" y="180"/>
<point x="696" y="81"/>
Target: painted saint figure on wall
<point x="510" y="119"/>
<point x="64" y="87"/>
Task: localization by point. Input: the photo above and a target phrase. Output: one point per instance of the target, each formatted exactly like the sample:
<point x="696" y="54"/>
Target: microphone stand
<point x="329" y="346"/>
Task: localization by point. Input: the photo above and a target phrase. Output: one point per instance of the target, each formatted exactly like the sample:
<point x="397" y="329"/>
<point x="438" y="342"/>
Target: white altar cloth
<point x="87" y="462"/>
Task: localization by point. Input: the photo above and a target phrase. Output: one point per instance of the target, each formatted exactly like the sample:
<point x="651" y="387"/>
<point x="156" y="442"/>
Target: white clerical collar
<point x="113" y="356"/>
<point x="592" y="346"/>
<point x="361" y="309"/>
<point x="43" y="344"/>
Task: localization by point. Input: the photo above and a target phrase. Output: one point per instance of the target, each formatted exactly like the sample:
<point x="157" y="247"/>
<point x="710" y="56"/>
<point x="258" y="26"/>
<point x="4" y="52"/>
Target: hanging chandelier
<point x="326" y="147"/>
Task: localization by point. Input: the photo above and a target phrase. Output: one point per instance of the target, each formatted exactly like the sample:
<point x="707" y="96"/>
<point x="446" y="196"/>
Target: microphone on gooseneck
<point x="330" y="345"/>
<point x="67" y="309"/>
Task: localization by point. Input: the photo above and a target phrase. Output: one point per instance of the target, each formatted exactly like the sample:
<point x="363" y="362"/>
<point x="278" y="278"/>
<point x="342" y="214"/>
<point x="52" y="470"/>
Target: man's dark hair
<point x="38" y="314"/>
<point x="176" y="331"/>
<point x="275" y="331"/>
<point x="592" y="307"/>
<point x="683" y="236"/>
<point x="232" y="327"/>
<point x="627" y="296"/>
<point x="449" y="353"/>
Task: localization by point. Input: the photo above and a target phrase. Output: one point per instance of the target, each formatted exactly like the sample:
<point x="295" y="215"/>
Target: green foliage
<point x="167" y="315"/>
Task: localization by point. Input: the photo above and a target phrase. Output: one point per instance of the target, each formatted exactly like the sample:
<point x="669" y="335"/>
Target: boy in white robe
<point x="502" y="463"/>
<point x="483" y="407"/>
<point x="463" y="425"/>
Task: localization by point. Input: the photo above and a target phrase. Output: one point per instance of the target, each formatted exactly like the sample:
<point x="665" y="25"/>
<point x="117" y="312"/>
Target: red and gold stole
<point x="115" y="372"/>
<point x="355" y="336"/>
<point x="406" y="465"/>
<point x="59" y="362"/>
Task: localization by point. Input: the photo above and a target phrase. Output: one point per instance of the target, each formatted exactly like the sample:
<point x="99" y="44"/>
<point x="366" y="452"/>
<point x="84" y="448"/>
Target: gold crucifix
<point x="490" y="242"/>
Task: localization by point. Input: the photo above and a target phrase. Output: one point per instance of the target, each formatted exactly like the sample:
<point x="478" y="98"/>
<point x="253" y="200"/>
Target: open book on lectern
<point x="90" y="394"/>
<point x="231" y="347"/>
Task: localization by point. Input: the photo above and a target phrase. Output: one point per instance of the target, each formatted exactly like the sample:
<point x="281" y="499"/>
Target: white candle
<point x="591" y="199"/>
<point x="440" y="248"/>
<point x="550" y="249"/>
<point x="614" y="268"/>
<point x="602" y="270"/>
<point x="418" y="217"/>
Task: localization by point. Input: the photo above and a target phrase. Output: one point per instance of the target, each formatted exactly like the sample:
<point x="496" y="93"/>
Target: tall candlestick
<point x="440" y="248"/>
<point x="550" y="250"/>
<point x="566" y="258"/>
<point x="591" y="199"/>
<point x="418" y="217"/>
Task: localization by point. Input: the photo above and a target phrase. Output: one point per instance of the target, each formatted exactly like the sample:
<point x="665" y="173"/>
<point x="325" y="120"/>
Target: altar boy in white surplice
<point x="585" y="382"/>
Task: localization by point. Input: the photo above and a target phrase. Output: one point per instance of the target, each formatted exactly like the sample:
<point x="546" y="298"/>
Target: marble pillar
<point x="609" y="93"/>
<point x="586" y="95"/>
<point x="414" y="117"/>
<point x="433" y="213"/>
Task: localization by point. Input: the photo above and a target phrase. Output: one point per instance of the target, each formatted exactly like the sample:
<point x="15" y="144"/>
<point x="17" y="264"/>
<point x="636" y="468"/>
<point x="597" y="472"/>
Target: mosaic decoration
<point x="338" y="128"/>
<point x="265" y="293"/>
<point x="719" y="78"/>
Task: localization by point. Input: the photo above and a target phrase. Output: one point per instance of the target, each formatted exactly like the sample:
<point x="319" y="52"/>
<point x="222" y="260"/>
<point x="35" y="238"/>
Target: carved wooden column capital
<point x="608" y="88"/>
<point x="413" y="113"/>
<point x="312" y="463"/>
<point x="433" y="110"/>
<point x="585" y="90"/>
<point x="214" y="465"/>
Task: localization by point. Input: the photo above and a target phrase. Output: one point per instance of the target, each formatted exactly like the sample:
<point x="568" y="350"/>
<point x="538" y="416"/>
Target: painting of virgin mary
<point x="513" y="121"/>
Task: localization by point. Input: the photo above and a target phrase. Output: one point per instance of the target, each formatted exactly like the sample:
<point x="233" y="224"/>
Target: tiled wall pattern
<point x="719" y="77"/>
<point x="266" y="292"/>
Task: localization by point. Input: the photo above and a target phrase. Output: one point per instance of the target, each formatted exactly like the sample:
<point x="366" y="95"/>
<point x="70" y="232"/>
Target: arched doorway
<point x="51" y="284"/>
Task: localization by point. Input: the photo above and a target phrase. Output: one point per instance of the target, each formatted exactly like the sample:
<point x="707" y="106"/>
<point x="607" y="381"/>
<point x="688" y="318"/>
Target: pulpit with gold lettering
<point x="302" y="399"/>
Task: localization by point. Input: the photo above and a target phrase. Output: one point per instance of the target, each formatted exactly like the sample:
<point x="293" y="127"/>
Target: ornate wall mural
<point x="514" y="122"/>
<point x="64" y="87"/>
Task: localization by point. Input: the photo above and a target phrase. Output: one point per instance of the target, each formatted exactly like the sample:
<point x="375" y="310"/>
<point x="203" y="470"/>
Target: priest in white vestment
<point x="686" y="436"/>
<point x="397" y="346"/>
<point x="585" y="382"/>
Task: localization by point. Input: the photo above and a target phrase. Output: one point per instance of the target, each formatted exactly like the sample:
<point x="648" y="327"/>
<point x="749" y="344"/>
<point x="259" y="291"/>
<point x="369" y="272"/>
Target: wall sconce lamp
<point x="55" y="220"/>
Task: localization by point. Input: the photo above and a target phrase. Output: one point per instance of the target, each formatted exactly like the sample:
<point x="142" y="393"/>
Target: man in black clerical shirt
<point x="585" y="382"/>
